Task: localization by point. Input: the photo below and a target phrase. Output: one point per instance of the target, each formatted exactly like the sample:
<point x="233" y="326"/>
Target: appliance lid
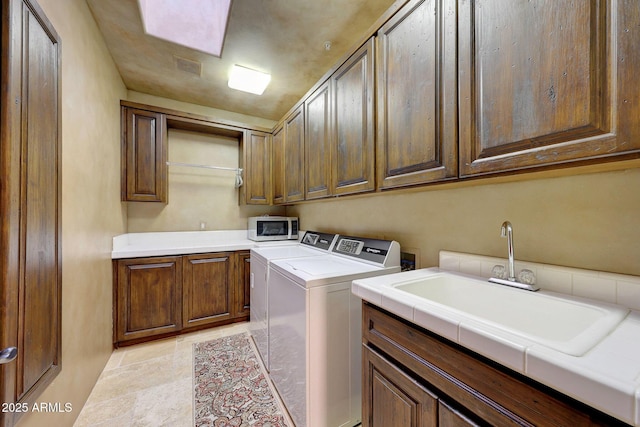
<point x="326" y="269"/>
<point x="290" y="251"/>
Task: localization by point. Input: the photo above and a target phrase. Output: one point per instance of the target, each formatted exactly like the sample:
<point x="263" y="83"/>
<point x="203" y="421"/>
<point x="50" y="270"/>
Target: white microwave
<point x="265" y="228"/>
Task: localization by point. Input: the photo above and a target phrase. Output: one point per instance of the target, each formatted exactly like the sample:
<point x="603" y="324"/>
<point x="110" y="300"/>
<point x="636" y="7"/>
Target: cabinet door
<point x="391" y="398"/>
<point x="257" y="168"/>
<point x="144" y="150"/>
<point x="353" y="131"/>
<point x="243" y="284"/>
<point x="416" y="103"/>
<point x="208" y="281"/>
<point x="148" y="297"/>
<point x="294" y="156"/>
<point x="317" y="147"/>
<point x="277" y="154"/>
<point x="543" y="83"/>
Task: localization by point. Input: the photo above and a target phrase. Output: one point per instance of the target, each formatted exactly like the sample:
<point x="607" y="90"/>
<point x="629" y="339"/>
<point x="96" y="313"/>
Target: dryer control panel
<point x="318" y="240"/>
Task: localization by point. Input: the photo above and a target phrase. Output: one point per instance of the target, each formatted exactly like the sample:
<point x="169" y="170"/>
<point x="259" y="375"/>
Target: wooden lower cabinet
<point x="391" y="398"/>
<point x="207" y="288"/>
<point x="414" y="378"/>
<point x="243" y="273"/>
<point x="162" y="296"/>
<point x="149" y="296"/>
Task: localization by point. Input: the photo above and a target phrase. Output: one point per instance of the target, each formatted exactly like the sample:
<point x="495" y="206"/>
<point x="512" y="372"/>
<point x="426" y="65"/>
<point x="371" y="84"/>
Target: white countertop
<point x="607" y="377"/>
<point x="133" y="245"/>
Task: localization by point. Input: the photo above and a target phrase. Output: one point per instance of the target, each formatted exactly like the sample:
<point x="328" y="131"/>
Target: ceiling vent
<point x="189" y="66"/>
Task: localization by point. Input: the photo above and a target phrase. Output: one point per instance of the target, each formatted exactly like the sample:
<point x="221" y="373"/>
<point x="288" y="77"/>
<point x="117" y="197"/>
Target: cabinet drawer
<point x="487" y="390"/>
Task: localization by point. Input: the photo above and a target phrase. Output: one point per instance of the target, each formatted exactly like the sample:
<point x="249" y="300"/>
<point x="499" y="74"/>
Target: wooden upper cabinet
<point x="317" y="146"/>
<point x="294" y="156"/>
<point x="257" y="168"/>
<point x="353" y="158"/>
<point x="543" y="83"/>
<point x="277" y="168"/>
<point x="144" y="156"/>
<point x="416" y="95"/>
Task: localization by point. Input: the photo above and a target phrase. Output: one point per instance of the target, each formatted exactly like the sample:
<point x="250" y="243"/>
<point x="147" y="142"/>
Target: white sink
<point x="569" y="325"/>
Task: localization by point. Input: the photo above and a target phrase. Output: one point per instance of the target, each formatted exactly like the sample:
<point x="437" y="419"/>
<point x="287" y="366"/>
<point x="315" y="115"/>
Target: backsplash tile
<point x="629" y="293"/>
<point x="602" y="286"/>
<point x="471" y="266"/>
<point x="556" y="280"/>
<point x="449" y="262"/>
<point x="595" y="287"/>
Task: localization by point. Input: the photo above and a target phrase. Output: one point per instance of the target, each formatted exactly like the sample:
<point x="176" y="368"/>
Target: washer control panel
<point x="373" y="250"/>
<point x="349" y="246"/>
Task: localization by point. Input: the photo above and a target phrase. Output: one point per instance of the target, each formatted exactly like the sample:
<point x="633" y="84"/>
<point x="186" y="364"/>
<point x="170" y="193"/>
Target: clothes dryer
<point x="312" y="244"/>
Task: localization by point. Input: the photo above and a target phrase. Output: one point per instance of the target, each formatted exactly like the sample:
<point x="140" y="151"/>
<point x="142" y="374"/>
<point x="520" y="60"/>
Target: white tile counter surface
<point x="133" y="245"/>
<point x="607" y="377"/>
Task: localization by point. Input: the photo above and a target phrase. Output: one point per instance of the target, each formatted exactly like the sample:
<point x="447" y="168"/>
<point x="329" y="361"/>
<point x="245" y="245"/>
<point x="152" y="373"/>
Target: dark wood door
<point x="318" y="143"/>
<point x="257" y="168"/>
<point x="208" y="281"/>
<point x="546" y="83"/>
<point x="353" y="99"/>
<point x="148" y="297"/>
<point x="277" y="156"/>
<point x="30" y="203"/>
<point x="294" y="156"/>
<point x="391" y="398"/>
<point x="417" y="95"/>
<point x="144" y="150"/>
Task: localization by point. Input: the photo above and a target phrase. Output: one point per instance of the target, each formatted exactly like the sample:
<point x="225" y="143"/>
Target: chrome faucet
<point x="526" y="279"/>
<point x="507" y="231"/>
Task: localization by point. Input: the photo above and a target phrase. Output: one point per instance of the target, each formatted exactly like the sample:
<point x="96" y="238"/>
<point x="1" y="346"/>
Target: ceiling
<point x="282" y="37"/>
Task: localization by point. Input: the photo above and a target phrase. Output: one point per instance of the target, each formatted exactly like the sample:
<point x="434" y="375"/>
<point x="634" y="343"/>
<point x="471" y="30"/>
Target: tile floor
<point x="150" y="384"/>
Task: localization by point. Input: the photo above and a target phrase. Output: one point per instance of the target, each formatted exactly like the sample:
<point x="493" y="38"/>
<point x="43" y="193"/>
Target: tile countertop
<point x="133" y="245"/>
<point x="607" y="377"/>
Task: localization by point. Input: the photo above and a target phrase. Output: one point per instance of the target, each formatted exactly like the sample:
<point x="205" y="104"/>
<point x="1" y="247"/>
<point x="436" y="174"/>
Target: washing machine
<point x="312" y="244"/>
<point x="315" y="329"/>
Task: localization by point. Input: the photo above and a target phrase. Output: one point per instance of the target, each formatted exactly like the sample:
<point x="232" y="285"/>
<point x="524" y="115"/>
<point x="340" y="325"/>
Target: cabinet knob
<point x="8" y="354"/>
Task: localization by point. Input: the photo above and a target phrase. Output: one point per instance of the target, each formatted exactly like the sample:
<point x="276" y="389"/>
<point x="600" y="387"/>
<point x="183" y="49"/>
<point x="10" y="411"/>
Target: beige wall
<point x="197" y="195"/>
<point x="144" y="98"/>
<point x="588" y="221"/>
<point x="91" y="209"/>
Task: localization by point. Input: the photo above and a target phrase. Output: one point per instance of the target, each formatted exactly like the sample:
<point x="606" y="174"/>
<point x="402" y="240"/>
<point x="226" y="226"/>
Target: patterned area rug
<point x="230" y="388"/>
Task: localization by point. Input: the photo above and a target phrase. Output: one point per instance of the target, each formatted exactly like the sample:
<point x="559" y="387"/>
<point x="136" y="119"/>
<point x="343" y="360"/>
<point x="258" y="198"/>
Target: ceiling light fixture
<point x="248" y="80"/>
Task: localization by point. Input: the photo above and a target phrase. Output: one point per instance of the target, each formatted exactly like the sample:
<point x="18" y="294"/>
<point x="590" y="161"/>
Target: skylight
<point x="198" y="24"/>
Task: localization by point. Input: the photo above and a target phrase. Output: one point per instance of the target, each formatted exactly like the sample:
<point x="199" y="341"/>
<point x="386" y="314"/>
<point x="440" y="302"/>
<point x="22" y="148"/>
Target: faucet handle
<point x="527" y="277"/>
<point x="499" y="272"/>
